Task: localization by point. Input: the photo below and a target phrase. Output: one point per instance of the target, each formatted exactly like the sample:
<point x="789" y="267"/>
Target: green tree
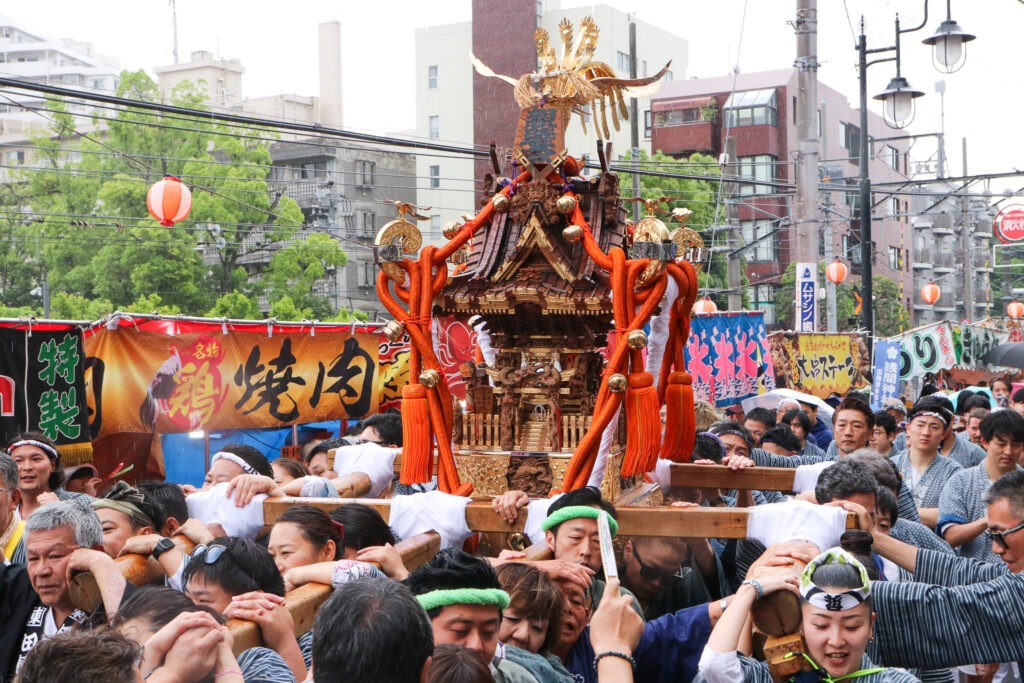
<point x="92" y="236"/>
<point x="75" y="307"/>
<point x="697" y="195"/>
<point x="236" y="306"/>
<point x="153" y="304"/>
<point x="285" y="309"/>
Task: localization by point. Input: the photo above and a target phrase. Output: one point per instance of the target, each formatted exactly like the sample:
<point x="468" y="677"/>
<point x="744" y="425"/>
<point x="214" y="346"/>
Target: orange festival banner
<point x="143" y="381"/>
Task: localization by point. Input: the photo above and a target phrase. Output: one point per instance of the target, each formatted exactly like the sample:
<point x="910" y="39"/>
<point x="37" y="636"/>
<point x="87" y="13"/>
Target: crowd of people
<point x="929" y="587"/>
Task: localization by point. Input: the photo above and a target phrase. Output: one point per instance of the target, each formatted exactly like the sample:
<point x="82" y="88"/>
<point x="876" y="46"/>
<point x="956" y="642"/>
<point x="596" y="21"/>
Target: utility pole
<point x="827" y="204"/>
<point x="940" y="87"/>
<point x="634" y="129"/>
<point x="967" y="244"/>
<point x="174" y="25"/>
<point x="806" y="27"/>
<point x="864" y="210"/>
<point x="732" y="213"/>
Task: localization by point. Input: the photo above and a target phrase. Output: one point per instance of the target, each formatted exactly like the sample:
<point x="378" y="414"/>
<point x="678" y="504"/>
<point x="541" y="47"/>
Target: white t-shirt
<point x="214" y="506"/>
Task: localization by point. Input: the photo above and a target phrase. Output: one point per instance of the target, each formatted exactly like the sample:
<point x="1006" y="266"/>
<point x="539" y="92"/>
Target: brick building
<point x="758" y="109"/>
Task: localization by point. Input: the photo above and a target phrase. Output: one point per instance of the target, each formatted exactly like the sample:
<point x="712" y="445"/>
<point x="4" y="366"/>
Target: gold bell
<point x="500" y="202"/>
<point x="450" y="229"/>
<point x="566" y="204"/>
<point x="617" y="383"/>
<point x="394" y="330"/>
<point x="637" y="339"/>
<point x="572" y="233"/>
<point x="430" y="378"/>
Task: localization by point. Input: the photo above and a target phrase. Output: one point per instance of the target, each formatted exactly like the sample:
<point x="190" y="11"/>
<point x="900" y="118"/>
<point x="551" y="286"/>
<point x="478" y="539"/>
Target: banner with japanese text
<point x="141" y="381"/>
<point x="942" y="346"/>
<point x="885" y="372"/>
<point x="820" y="364"/>
<point x="727" y="356"/>
<point x="42" y="385"/>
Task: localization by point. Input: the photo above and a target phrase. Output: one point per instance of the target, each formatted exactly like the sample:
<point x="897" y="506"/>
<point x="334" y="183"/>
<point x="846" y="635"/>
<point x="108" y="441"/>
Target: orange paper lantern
<point x="169" y="201"/>
<point x="1015" y="309"/>
<point x="836" y="271"/>
<point x="930" y="293"/>
<point x="705" y="306"/>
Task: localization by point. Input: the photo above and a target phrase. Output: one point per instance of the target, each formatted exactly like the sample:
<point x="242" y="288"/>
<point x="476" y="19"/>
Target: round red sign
<point x="1009" y="224"/>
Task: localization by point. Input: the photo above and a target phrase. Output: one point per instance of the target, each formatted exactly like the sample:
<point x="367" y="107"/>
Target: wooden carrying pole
<point x="719" y="476"/>
<point x="633" y="520"/>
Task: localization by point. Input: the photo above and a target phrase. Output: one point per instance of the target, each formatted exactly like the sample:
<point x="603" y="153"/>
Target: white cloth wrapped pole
<point x="375" y="461"/>
<point x="796" y="520"/>
<point x="432" y="511"/>
<point x="806" y="476"/>
<point x="214" y="506"/>
<point x="483" y="340"/>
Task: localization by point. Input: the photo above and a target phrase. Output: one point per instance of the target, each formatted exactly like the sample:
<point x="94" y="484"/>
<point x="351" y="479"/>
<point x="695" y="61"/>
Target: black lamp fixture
<point x="949" y="44"/>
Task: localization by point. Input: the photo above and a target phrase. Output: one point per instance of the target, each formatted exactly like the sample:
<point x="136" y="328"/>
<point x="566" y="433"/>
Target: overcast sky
<point x="277" y="45"/>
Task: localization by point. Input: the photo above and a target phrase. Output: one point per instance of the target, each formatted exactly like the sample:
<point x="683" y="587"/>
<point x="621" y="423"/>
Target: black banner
<point x="42" y="385"/>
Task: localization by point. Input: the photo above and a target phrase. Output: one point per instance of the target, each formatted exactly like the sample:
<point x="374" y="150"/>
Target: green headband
<point x="575" y="512"/>
<point x="464" y="596"/>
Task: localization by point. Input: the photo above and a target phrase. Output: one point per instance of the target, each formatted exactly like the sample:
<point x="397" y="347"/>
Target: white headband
<point x="223" y="455"/>
<point x="46" y="448"/>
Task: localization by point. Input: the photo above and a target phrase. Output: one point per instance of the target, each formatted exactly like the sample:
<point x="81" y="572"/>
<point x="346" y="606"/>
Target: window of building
<point x="540" y="11"/>
<point x="850" y="136"/>
<point x="891" y="157"/>
<point x="365" y="222"/>
<point x="759" y="237"/>
<point x="677" y="117"/>
<point x="648" y="120"/>
<point x="435" y="177"/>
<point x="895" y="258"/>
<point x="894" y="208"/>
<point x="760" y="167"/>
<point x="310" y="170"/>
<point x="435" y="224"/>
<point x="364" y="172"/>
<point x="851" y="249"/>
<point x="434" y="125"/>
<point x="852" y="195"/>
<point x="668" y="76"/>
<point x="622" y="62"/>
<point x="643" y="68"/>
<point x="751" y="108"/>
<point x="764" y="301"/>
<point x="432" y="76"/>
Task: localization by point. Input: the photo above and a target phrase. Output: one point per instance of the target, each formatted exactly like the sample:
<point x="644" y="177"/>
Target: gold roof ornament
<point x="397" y="238"/>
<point x="569" y="79"/>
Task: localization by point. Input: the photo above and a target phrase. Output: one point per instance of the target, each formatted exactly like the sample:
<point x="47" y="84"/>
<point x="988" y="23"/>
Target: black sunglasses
<point x="999" y="537"/>
<point x="649" y="573"/>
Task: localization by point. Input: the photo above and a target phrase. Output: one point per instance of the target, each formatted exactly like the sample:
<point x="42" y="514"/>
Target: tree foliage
<point x="891" y="316"/>
<point x="76" y="217"/>
<point x="697" y="195"/>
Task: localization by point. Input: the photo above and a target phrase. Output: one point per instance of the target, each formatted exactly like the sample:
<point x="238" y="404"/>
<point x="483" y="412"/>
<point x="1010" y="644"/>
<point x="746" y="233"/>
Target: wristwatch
<point x="723" y="604"/>
<point x="161" y="547"/>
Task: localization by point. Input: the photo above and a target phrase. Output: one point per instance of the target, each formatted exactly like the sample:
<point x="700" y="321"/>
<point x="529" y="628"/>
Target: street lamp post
<point x="898" y="107"/>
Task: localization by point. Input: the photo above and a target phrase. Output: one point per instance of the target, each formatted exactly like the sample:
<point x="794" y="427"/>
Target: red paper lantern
<point x="1015" y="309"/>
<point x="169" y="201"/>
<point x="705" y="306"/>
<point x="836" y="271"/>
<point x="930" y="293"/>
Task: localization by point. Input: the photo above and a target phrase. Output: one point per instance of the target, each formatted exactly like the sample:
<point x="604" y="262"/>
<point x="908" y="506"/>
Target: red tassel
<point x="673" y="416"/>
<point x="643" y="435"/>
<point x="417" y="446"/>
<point x="687" y="420"/>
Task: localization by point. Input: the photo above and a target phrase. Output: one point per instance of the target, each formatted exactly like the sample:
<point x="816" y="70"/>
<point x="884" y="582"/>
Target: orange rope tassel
<point x="417" y="446"/>
<point x="687" y="421"/>
<point x="643" y="439"/>
<point x="673" y="415"/>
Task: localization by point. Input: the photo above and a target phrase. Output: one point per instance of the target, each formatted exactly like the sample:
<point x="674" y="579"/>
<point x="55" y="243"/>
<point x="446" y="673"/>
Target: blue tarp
<point x="185" y="460"/>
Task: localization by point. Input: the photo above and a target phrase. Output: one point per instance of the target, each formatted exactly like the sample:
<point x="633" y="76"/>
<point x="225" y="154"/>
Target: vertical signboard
<point x="806" y="297"/>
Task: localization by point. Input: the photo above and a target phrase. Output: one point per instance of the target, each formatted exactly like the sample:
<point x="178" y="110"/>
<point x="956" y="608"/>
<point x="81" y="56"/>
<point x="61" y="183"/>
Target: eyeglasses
<point x="649" y="573"/>
<point x="999" y="537"/>
<point x="211" y="553"/>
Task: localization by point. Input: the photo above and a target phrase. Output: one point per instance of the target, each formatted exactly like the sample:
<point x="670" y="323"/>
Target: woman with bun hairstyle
<point x="835" y="592"/>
